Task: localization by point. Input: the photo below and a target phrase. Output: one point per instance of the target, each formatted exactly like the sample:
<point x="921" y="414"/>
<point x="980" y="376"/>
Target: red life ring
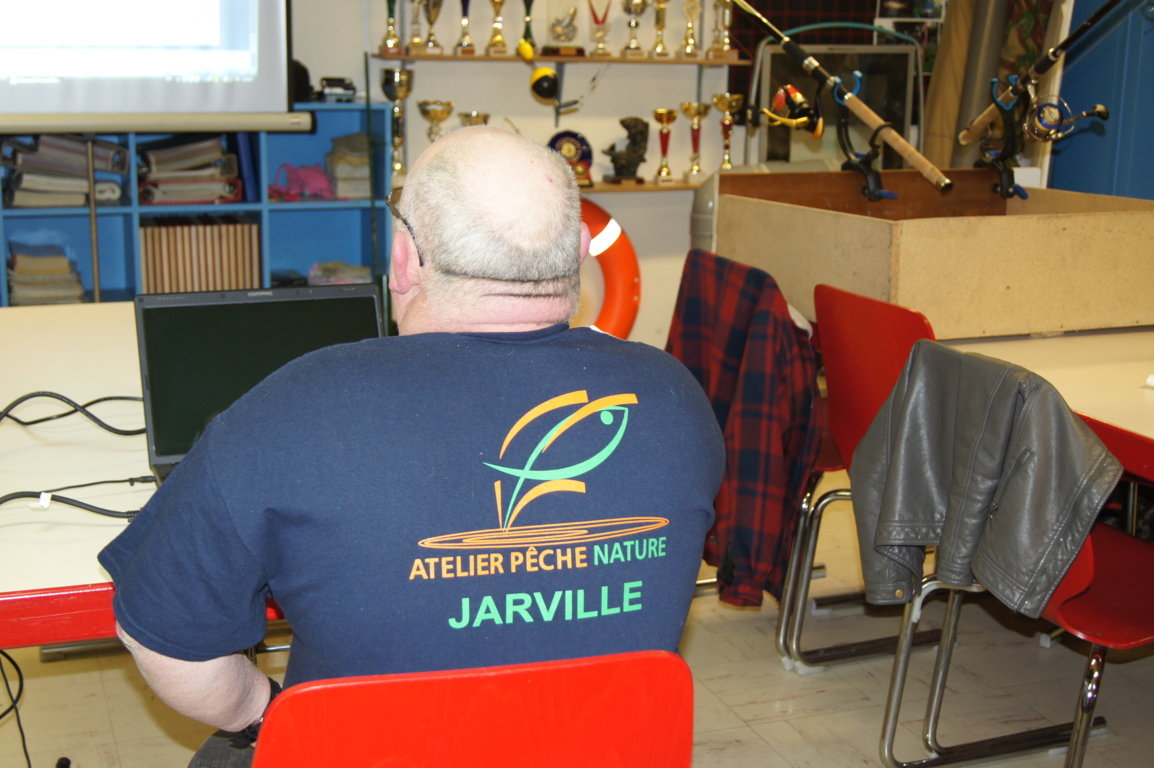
<point x="618" y="261"/>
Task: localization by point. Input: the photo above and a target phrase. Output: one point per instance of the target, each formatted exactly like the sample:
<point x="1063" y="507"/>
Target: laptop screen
<point x="201" y="351"/>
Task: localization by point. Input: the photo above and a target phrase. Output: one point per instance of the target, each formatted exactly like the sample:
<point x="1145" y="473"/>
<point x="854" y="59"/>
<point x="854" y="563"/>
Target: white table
<point x="48" y="556"/>
<point x="1101" y="374"/>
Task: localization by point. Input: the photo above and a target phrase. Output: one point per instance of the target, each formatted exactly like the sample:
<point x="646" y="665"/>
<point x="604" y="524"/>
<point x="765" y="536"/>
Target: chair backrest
<point x="630" y="709"/>
<point x="864" y="344"/>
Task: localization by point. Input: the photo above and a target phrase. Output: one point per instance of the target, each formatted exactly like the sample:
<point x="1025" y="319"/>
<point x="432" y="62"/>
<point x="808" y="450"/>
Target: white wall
<point x="330" y="37"/>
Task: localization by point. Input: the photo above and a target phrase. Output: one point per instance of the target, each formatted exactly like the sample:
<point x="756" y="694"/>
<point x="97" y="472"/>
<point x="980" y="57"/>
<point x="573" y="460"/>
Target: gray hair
<point x="505" y="223"/>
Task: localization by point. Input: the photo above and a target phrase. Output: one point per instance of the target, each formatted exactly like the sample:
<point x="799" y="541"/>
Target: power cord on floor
<point x="13" y="707"/>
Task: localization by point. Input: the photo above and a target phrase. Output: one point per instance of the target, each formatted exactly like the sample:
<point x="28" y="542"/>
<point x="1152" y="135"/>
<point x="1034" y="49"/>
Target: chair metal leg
<point x="1074" y="734"/>
<point x="942" y="670"/>
<point x="789" y="588"/>
<point x="911" y="615"/>
<point x="793" y="610"/>
<point x="1084" y="718"/>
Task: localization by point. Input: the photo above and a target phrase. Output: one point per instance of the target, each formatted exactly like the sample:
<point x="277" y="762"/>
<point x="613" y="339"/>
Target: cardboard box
<point x="974" y="263"/>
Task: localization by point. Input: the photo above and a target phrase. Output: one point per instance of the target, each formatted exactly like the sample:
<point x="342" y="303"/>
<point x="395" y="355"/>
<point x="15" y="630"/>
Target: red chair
<point x="1103" y="599"/>
<point x="864" y="345"/>
<point x="1097" y="600"/>
<point x="630" y="709"/>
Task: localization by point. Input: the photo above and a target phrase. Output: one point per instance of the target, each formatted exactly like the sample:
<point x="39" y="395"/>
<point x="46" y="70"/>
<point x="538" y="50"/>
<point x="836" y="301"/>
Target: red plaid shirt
<point x="732" y="329"/>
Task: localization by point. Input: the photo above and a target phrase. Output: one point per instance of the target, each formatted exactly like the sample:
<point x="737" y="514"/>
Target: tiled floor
<point x="95" y="709"/>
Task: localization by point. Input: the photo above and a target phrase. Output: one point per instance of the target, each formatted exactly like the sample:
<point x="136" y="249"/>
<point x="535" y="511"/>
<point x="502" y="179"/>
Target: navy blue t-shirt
<point x="434" y="501"/>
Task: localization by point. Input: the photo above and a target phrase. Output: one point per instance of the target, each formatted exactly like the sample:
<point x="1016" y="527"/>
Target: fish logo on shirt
<point x="535" y="478"/>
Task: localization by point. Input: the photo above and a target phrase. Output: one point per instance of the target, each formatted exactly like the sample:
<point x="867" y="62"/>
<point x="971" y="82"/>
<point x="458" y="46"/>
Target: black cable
<point x="80" y="504"/>
<point x="71" y="502"/>
<point x="76" y="408"/>
<point x="14" y="698"/>
<point x="141" y="480"/>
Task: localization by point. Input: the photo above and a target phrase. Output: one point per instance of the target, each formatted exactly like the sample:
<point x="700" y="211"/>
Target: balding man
<point x="489" y="487"/>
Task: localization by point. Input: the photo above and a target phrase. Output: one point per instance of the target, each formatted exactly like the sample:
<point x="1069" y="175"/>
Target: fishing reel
<point x="1050" y="118"/>
<point x="1040" y="118"/>
<point x="792" y="109"/>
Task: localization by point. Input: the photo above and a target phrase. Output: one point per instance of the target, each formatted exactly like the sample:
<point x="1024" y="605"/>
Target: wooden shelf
<point x="449" y="56"/>
<point x="645" y="185"/>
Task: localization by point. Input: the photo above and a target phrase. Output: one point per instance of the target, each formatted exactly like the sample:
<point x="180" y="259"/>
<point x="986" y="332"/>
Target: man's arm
<point x="228" y="692"/>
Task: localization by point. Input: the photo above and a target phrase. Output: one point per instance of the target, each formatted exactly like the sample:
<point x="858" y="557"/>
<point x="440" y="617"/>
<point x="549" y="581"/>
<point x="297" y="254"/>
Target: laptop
<point x="199" y="352"/>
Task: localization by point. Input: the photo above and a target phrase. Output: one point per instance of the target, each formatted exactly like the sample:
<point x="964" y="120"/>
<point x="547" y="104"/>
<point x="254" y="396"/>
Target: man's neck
<point x="484" y="314"/>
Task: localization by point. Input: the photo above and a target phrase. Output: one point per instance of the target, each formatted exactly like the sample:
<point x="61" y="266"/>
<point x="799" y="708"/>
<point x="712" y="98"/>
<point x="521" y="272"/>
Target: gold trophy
<point x="728" y="103"/>
<point x="664" y="118"/>
<point x="722" y="45"/>
<point x="562" y="17"/>
<point x="436" y="112"/>
<point x="397" y="83"/>
<point x="694" y="110"/>
<point x="416" y="43"/>
<point x="432" y="12"/>
<point x="496" y="45"/>
<point x="660" y="49"/>
<point x="689" y="47"/>
<point x="600" y="29"/>
<point x="527" y="34"/>
<point x="391" y="42"/>
<point x="464" y="46"/>
<point x="634" y="8"/>
<point x="473" y="118"/>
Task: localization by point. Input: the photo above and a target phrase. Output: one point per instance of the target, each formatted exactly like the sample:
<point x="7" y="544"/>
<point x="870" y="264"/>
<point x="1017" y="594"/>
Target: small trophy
<point x="436" y="112"/>
<point x="432" y="12"/>
<point x="660" y="49"/>
<point x="391" y="42"/>
<point x="464" y="46"/>
<point x="627" y="159"/>
<point x="600" y="29"/>
<point x="694" y="110"/>
<point x="473" y="117"/>
<point x="664" y="118"/>
<point x="562" y="16"/>
<point x="577" y="151"/>
<point x="527" y="34"/>
<point x="634" y="8"/>
<point x="689" y="47"/>
<point x="397" y="83"/>
<point x="416" y="43"/>
<point x="722" y="45"/>
<point x="496" y="45"/>
<point x="728" y="103"/>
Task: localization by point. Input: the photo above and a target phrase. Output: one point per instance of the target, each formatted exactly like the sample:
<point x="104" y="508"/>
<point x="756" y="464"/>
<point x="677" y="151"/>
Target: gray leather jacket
<point x="986" y="461"/>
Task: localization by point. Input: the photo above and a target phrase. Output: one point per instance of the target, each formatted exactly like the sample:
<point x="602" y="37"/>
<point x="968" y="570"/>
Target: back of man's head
<point x="493" y="212"/>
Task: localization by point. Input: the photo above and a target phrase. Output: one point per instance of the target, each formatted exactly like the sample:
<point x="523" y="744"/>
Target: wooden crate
<point x="974" y="263"/>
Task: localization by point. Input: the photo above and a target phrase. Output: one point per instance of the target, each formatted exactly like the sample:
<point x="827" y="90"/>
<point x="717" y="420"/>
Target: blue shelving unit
<point x="293" y="235"/>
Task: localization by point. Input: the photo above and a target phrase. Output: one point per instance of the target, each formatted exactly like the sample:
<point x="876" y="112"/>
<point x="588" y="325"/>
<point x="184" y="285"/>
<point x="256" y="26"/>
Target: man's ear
<point x="586" y="238"/>
<point x="404" y="265"/>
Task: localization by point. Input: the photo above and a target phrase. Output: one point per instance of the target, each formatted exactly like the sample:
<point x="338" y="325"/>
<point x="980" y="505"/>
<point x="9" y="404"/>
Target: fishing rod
<point x="1029" y="80"/>
<point x="880" y="128"/>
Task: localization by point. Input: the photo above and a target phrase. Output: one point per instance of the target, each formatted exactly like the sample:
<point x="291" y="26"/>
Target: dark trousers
<point x="223" y="750"/>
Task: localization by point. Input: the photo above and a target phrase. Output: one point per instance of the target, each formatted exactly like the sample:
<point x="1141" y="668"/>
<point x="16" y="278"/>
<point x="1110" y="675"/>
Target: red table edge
<point x="56" y="615"/>
<point x="65" y="615"/>
<point x="1134" y="451"/>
